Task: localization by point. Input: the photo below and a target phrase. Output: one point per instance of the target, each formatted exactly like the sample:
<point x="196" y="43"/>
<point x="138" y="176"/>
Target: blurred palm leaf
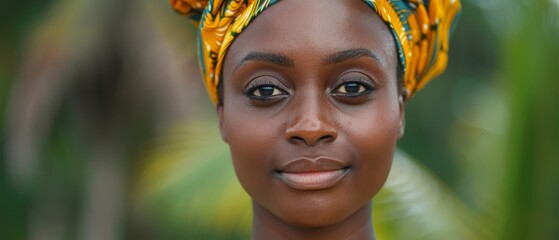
<point x="187" y="188"/>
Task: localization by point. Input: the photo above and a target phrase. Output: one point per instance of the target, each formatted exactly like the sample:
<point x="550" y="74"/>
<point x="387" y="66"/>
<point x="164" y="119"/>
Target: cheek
<point x="250" y="141"/>
<point x="373" y="137"/>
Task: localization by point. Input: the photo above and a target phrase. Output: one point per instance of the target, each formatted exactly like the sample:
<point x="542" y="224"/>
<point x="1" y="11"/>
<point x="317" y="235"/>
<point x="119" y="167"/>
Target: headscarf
<point x="421" y="29"/>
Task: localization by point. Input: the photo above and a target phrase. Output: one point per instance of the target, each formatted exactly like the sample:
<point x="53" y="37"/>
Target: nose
<point x="310" y="124"/>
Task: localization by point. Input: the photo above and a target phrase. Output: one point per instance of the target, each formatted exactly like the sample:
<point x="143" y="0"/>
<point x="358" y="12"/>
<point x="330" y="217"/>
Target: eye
<point x="353" y="89"/>
<point x="266" y="91"/>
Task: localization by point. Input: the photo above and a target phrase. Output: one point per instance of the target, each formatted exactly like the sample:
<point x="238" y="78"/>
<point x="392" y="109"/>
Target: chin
<point x="317" y="210"/>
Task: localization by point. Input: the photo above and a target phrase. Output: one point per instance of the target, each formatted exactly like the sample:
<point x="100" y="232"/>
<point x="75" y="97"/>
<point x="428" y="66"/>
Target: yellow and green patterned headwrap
<point x="421" y="29"/>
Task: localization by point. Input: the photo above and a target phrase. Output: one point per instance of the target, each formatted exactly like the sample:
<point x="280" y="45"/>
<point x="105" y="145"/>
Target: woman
<point x="311" y="96"/>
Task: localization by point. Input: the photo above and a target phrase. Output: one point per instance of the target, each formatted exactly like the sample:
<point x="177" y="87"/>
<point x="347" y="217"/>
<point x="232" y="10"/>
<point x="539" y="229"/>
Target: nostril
<point x="297" y="139"/>
<point x="310" y="132"/>
<point x="326" y="138"/>
<point x="310" y="141"/>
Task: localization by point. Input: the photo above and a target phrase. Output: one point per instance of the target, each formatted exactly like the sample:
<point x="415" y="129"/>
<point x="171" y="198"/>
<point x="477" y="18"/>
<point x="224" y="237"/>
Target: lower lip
<point x="313" y="180"/>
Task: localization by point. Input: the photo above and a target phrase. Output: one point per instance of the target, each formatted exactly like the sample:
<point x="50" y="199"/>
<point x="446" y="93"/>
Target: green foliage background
<point x="107" y="132"/>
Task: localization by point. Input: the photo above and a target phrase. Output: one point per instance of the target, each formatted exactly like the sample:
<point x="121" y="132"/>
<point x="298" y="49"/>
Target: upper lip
<point x="318" y="164"/>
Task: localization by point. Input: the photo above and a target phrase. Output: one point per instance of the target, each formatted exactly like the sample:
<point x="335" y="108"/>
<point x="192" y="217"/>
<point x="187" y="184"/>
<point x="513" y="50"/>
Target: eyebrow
<point x="350" y="54"/>
<point x="337" y="57"/>
<point x="269" y="58"/>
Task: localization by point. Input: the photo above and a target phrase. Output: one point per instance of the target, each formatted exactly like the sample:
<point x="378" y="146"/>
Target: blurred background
<point x="107" y="132"/>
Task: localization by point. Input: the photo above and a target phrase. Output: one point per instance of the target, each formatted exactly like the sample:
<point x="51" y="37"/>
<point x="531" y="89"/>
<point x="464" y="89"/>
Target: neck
<point x="357" y="226"/>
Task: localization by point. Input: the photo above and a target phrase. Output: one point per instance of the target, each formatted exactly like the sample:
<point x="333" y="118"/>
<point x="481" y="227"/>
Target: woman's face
<point x="311" y="109"/>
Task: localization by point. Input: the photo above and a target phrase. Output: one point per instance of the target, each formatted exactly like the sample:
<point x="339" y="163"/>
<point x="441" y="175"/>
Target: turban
<point x="421" y="30"/>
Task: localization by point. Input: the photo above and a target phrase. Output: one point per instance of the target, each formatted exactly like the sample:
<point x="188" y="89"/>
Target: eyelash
<point x="255" y="85"/>
<point x="369" y="87"/>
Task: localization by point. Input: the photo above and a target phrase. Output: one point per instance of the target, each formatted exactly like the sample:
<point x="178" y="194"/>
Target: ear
<point x="221" y="122"/>
<point x="402" y="104"/>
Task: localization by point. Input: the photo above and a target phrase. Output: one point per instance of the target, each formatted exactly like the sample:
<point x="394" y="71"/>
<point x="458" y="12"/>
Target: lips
<point x="312" y="174"/>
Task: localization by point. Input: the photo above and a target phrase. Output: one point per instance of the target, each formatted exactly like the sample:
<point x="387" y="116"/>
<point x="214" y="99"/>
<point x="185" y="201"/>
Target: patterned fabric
<point x="421" y="29"/>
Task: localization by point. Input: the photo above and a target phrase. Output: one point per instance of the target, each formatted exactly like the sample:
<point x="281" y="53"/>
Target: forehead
<point x="316" y="26"/>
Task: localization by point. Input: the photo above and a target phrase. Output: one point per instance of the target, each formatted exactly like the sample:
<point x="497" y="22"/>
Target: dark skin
<point x="312" y="112"/>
